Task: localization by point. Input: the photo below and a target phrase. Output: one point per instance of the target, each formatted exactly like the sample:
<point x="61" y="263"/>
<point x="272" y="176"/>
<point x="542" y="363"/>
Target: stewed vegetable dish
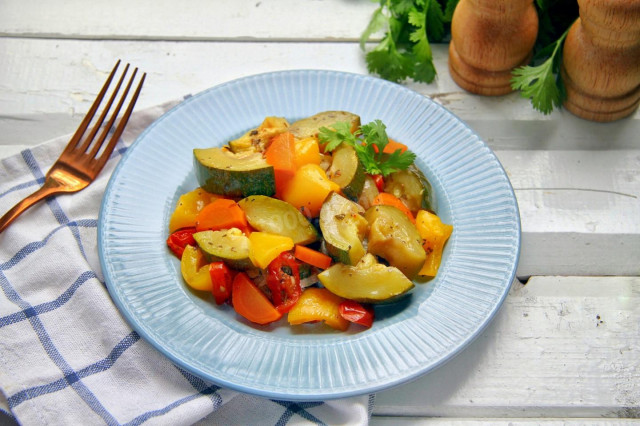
<point x="315" y="220"/>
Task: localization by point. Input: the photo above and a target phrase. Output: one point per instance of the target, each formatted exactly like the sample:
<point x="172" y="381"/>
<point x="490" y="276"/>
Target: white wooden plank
<point x="561" y="347"/>
<point x="579" y="210"/>
<point x="426" y="421"/>
<point x="193" y="20"/>
<point x="62" y="77"/>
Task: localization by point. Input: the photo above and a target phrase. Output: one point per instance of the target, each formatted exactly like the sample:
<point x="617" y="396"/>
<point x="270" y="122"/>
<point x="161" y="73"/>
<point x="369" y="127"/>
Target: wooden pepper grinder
<point x="601" y="60"/>
<point x="489" y="38"/>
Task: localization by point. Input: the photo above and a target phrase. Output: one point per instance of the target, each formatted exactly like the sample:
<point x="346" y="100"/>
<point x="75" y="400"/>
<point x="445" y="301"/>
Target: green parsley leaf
<point x="399" y="7"/>
<point x="542" y="83"/>
<point x="386" y="59"/>
<point x="341" y="132"/>
<point x="423" y="70"/>
<point x="404" y="51"/>
<point x="538" y="84"/>
<point x="388" y="62"/>
<point x="450" y="7"/>
<point x="375" y="133"/>
<point x="396" y="161"/>
<point x="367" y="156"/>
<point x="369" y="142"/>
<point x="434" y="19"/>
<point x="377" y="23"/>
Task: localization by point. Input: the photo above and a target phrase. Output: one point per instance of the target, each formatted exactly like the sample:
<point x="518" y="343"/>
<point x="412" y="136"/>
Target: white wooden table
<point x="565" y="347"/>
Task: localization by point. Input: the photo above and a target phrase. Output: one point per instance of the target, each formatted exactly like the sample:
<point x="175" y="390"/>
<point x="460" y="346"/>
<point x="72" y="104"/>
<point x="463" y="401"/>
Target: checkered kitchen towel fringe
<point x="66" y="354"/>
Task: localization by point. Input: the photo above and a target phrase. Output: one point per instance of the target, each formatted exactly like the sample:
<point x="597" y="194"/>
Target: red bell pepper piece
<point x="222" y="279"/>
<point x="181" y="238"/>
<point x="357" y="313"/>
<point x="283" y="279"/>
<point x="379" y="181"/>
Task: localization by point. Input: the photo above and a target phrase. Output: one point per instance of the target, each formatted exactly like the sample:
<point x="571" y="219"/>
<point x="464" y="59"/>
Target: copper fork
<point x="83" y="158"/>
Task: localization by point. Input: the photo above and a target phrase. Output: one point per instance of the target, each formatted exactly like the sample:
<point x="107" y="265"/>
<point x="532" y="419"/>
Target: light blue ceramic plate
<point x="408" y="339"/>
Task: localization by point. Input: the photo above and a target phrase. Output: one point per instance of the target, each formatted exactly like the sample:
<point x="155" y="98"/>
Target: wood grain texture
<point x="570" y="345"/>
<point x="489" y="38"/>
<point x="195" y="20"/>
<point x="579" y="211"/>
<point x="601" y="60"/>
<point x="496" y="421"/>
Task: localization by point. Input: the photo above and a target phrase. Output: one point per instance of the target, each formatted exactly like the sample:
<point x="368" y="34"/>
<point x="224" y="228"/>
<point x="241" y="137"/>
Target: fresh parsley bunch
<point x="409" y="25"/>
<point x="369" y="142"/>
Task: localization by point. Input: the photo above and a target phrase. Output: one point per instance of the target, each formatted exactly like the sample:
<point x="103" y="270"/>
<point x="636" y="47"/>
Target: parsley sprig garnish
<point x="369" y="142"/>
<point x="542" y="83"/>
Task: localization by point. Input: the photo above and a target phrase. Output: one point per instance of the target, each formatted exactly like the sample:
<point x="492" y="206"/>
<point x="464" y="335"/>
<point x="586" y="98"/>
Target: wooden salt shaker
<point x="489" y="38"/>
<point x="601" y="60"/>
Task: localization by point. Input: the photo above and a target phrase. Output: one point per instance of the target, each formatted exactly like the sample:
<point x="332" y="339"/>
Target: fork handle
<point x="49" y="188"/>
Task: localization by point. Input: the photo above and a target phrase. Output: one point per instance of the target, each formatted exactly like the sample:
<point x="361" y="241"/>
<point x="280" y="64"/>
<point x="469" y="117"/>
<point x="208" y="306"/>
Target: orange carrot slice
<point x="392" y="147"/>
<point x="384" y="198"/>
<point x="221" y="214"/>
<point x="281" y="155"/>
<point x="312" y="257"/>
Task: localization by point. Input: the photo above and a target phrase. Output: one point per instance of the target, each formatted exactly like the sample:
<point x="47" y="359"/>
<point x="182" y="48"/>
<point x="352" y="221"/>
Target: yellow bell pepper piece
<point x="307" y="151"/>
<point x="188" y="207"/>
<point x="308" y="189"/>
<point x="266" y="246"/>
<point x="434" y="235"/>
<point x="277" y="123"/>
<point x="195" y="269"/>
<point x="256" y="140"/>
<point x="318" y="304"/>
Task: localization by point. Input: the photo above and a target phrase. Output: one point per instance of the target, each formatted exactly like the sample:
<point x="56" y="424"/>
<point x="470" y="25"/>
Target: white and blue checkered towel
<point x="66" y="354"/>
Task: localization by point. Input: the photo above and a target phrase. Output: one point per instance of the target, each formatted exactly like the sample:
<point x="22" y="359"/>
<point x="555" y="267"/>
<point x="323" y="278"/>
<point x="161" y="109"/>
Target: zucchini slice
<point x="230" y="246"/>
<point x="343" y="227"/>
<point x="412" y="187"/>
<point x="310" y="126"/>
<point x="347" y="171"/>
<point x="393" y="237"/>
<point x="275" y="216"/>
<point x="220" y="171"/>
<point x="367" y="282"/>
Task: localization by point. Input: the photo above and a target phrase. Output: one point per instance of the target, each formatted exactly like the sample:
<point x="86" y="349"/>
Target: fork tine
<point x="102" y="159"/>
<point x="114" y="114"/>
<point x="96" y="127"/>
<point x="92" y="111"/>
